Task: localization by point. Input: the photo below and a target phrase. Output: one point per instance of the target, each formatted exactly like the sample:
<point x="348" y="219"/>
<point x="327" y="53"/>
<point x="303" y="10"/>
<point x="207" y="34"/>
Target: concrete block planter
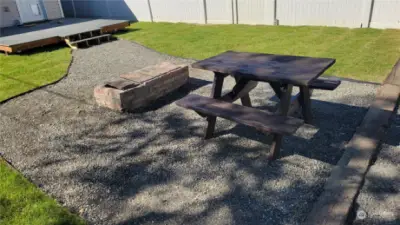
<point x="138" y="89"/>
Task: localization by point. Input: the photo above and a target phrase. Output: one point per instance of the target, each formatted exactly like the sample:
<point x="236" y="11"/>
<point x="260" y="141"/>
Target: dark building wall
<point x="110" y="9"/>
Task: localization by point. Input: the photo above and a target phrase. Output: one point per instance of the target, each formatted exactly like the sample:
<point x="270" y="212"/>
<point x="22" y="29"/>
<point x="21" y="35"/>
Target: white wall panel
<point x="139" y="8"/>
<point x="386" y="14"/>
<point x="255" y="12"/>
<point x="189" y="11"/>
<point x="342" y="13"/>
<point x="219" y="11"/>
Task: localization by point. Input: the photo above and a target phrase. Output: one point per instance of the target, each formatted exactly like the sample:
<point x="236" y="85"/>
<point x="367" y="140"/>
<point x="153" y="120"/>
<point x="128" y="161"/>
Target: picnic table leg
<point x="215" y="93"/>
<point x="286" y="95"/>
<point x="275" y="149"/>
<point x="305" y="102"/>
<point x="246" y="100"/>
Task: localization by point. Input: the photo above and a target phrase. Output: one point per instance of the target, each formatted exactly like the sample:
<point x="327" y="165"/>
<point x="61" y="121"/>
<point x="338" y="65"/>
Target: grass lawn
<point x="23" y="203"/>
<point x="21" y="73"/>
<point x="363" y="54"/>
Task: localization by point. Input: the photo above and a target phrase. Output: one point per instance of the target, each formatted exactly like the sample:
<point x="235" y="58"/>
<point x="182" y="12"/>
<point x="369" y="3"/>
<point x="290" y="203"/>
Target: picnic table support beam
<point x="215" y="93"/>
<point x="246" y="100"/>
<point x="240" y="90"/>
<point x="277" y="88"/>
<point x="250" y="86"/>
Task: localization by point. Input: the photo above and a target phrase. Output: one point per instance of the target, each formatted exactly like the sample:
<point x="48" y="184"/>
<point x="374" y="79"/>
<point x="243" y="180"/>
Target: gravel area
<point x="380" y="195"/>
<point x="153" y="167"/>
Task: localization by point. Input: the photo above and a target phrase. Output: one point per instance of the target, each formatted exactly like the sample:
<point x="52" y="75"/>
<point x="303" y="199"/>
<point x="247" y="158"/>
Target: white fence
<point x="341" y="13"/>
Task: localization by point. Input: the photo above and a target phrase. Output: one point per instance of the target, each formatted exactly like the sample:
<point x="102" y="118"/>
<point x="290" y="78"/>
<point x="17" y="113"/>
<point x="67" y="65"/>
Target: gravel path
<point x="380" y="195"/>
<point x="153" y="167"/>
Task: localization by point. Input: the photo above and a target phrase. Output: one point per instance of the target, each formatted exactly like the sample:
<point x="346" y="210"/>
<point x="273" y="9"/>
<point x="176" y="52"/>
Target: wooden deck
<point x="21" y="38"/>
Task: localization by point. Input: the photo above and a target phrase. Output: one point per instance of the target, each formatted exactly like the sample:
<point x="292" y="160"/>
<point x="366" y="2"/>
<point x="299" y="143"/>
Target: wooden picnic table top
<point x="296" y="70"/>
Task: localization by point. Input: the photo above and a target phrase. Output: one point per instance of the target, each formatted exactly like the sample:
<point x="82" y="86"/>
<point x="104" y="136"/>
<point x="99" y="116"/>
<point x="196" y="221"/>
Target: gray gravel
<point x="380" y="195"/>
<point x="153" y="167"/>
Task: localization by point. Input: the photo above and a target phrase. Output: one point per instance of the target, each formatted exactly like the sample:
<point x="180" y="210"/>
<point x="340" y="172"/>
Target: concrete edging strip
<point x="342" y="187"/>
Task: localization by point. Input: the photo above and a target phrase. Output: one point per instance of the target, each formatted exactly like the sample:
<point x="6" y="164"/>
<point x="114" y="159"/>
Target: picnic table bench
<point x="282" y="72"/>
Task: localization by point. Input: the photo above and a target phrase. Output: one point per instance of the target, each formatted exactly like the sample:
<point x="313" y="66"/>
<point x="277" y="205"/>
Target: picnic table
<point x="282" y="72"/>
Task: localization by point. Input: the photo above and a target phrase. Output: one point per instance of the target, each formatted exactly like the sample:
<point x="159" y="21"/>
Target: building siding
<point x="11" y="17"/>
<point x="53" y="9"/>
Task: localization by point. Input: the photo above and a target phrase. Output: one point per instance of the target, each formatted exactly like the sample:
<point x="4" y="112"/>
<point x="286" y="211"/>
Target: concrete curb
<point x="342" y="188"/>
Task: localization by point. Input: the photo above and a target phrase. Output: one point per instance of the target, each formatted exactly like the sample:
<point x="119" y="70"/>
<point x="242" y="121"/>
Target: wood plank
<point x="261" y="120"/>
<point x="68" y="42"/>
<point x="296" y="70"/>
<point x="342" y="187"/>
<point x="115" y="27"/>
<point x="277" y="89"/>
<point x="246" y="101"/>
<point x="394" y="76"/>
<point x="6" y="49"/>
<point x="245" y="97"/>
<point x="324" y="84"/>
<point x="241" y="89"/>
<point x="35" y="44"/>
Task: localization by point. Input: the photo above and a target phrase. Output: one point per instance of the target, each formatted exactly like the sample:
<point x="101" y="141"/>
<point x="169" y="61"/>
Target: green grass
<point x="21" y="73"/>
<point x="23" y="203"/>
<point x="363" y="54"/>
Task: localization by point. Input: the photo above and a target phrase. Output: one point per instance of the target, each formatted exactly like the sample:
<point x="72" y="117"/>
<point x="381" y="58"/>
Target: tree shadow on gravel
<point x="382" y="183"/>
<point x="333" y="125"/>
<point x="154" y="167"/>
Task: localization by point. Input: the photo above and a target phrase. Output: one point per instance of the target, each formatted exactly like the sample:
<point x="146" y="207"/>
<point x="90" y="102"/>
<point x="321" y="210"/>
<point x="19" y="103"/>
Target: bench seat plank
<point x="261" y="120"/>
<point x="324" y="84"/>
